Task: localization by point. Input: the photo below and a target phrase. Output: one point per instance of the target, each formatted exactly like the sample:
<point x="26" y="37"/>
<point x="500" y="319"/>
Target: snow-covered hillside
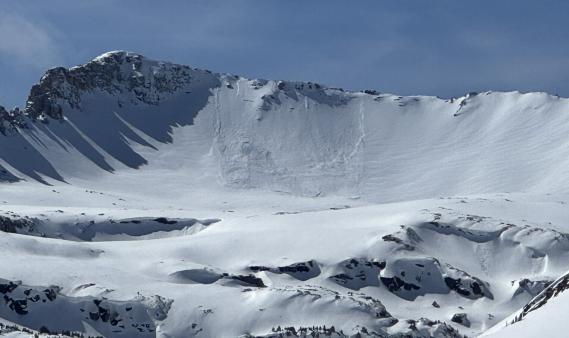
<point x="147" y="198"/>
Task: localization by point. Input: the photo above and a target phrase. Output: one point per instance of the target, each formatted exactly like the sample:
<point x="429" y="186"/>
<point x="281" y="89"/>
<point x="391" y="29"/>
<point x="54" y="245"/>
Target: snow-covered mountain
<point x="140" y="197"/>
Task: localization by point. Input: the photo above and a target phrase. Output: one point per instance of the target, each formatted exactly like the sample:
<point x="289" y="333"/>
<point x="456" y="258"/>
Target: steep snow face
<point x="543" y="316"/>
<point x="121" y="112"/>
<point x="86" y="120"/>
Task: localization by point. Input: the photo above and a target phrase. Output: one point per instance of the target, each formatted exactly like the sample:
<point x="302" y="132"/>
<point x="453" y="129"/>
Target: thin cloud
<point x="24" y="43"/>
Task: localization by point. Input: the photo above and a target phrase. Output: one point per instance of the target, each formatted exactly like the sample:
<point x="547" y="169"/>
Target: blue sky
<point x="444" y="48"/>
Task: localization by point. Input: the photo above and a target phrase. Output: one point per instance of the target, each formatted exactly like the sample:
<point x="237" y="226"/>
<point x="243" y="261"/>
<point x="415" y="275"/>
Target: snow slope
<point x="543" y="316"/>
<point x="162" y="200"/>
<point x="123" y="111"/>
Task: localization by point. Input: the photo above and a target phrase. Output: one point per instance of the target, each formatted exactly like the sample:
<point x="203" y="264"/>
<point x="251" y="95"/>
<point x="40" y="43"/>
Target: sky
<point x="442" y="47"/>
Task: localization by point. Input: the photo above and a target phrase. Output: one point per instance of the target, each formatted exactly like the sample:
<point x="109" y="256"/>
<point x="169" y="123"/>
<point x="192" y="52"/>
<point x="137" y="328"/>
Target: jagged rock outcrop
<point x="123" y="74"/>
<point x="356" y="273"/>
<point x="302" y="270"/>
<point x="29" y="304"/>
<point x="555" y="289"/>
<point x="411" y="277"/>
<point x="10" y="121"/>
<point x="461" y="318"/>
<point x="14" y="225"/>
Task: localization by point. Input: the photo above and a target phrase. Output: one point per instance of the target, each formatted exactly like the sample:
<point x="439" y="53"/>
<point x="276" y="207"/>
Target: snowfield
<point x="145" y="199"/>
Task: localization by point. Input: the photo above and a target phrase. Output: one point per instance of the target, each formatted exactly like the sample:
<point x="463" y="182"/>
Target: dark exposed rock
<point x="358" y="273"/>
<point x="466" y="285"/>
<point x="552" y="291"/>
<point x="301" y="271"/>
<point x="455" y="284"/>
<point x="314" y="91"/>
<point x="164" y="220"/>
<point x="531" y="287"/>
<point x="8" y="288"/>
<point x="109" y="316"/>
<point x="461" y="318"/>
<point x="258" y="268"/>
<point x="11" y="121"/>
<point x="249" y="280"/>
<point x="411" y="277"/>
<point x="407" y="238"/>
<point x="395" y="284"/>
<point x="113" y="73"/>
<point x="13" y="225"/>
<point x="391" y="238"/>
<point x="51" y="293"/>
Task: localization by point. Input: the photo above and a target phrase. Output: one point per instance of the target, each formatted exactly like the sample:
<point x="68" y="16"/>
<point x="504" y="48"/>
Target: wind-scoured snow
<point x="184" y="203"/>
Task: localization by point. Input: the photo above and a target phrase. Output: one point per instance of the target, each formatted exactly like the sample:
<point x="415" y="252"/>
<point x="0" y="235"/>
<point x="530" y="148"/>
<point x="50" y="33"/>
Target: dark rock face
<point x="318" y="93"/>
<point x="407" y="238"/>
<point x="43" y="97"/>
<point x="357" y="273"/>
<point x="435" y="327"/>
<point x="395" y="284"/>
<point x="40" y="308"/>
<point x="461" y="318"/>
<point x="12" y="225"/>
<point x="104" y="314"/>
<point x="8" y="288"/>
<point x="11" y="121"/>
<point x="302" y="271"/>
<point x="165" y="220"/>
<point x="249" y="280"/>
<point x="410" y="277"/>
<point x="465" y="284"/>
<point x="112" y="73"/>
<point x="531" y="287"/>
<point x="552" y="291"/>
<point x="472" y="289"/>
<point x="19" y="303"/>
<point x="208" y="276"/>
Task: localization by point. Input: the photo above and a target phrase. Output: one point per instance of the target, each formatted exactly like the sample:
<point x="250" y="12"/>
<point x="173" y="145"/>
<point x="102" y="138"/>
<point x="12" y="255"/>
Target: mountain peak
<point x="117" y="73"/>
<point x="121" y="57"/>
